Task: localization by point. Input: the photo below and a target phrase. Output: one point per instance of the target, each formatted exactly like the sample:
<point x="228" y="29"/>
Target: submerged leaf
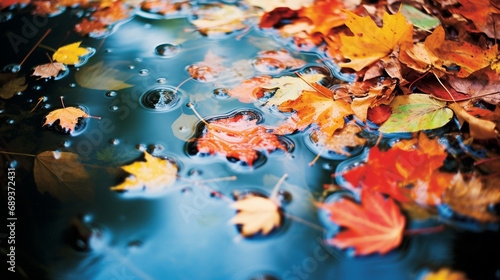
<point x="256" y="214"/>
<point x="12" y="87"/>
<point x="101" y="77"/>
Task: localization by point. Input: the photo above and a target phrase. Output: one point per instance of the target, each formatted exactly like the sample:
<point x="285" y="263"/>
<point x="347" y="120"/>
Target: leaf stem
<point x="198" y="115"/>
<point x="418" y="231"/>
<point x="441" y="83"/>
<point x="274" y="193"/>
<point x="36" y="45"/>
<point x="302" y="221"/>
<point x="38" y="103"/>
<point x="47" y="48"/>
<point x="18" y="154"/>
<point x="183" y="82"/>
<point x="485" y="160"/>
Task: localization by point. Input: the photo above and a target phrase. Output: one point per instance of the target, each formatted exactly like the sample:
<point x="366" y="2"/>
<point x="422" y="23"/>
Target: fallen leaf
<point x="256" y="214"/>
<point x="370" y="93"/>
<point x="8" y="3"/>
<point x="418" y="18"/>
<point x="184" y="126"/>
<point x="62" y="176"/>
<point x="112" y="12"/>
<point x="154" y="174"/>
<point x="342" y="138"/>
<point x="415" y="112"/>
<point x="70" y="54"/>
<point x="68" y="117"/>
<point x="275" y="61"/>
<point x="49" y="70"/>
<point x="445" y="274"/>
<point x="483" y="84"/>
<point x="237" y="137"/>
<point x="213" y="19"/>
<point x="481" y="14"/>
<point x="290" y="88"/>
<point x="433" y="86"/>
<point x="379" y="114"/>
<point x="324" y="15"/>
<point x="101" y="77"/>
<point x="374" y="226"/>
<point x="93" y="28"/>
<point x="247" y="90"/>
<point x="473" y="197"/>
<point x="270" y="5"/>
<point x="208" y="69"/>
<point x="479" y="129"/>
<point x="430" y="192"/>
<point x="12" y="87"/>
<point x="371" y="43"/>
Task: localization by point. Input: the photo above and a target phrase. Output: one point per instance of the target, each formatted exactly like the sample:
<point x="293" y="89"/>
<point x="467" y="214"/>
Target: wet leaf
<point x="479" y="129"/>
<point x="275" y="61"/>
<point x="256" y="214"/>
<point x="237" y="137"/>
<point x="370" y="93"/>
<point x="62" y="176"/>
<point x="93" y="28"/>
<point x="342" y="138"/>
<point x="483" y="84"/>
<point x="325" y="15"/>
<point x="248" y="90"/>
<point x="473" y="197"/>
<point x="374" y="226"/>
<point x="371" y="43"/>
<point x="208" y="69"/>
<point x="70" y="54"/>
<point x="154" y="174"/>
<point x="290" y="88"/>
<point x="273" y="4"/>
<point x="481" y="15"/>
<point x="379" y="114"/>
<point x="220" y="18"/>
<point x="49" y="70"/>
<point x="101" y="77"/>
<point x="68" y="117"/>
<point x="445" y="274"/>
<point x="415" y="112"/>
<point x="12" y="87"/>
<point x="184" y="126"/>
<point x="418" y="18"/>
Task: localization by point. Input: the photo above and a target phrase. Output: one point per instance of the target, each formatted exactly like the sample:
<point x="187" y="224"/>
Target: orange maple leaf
<point x="68" y="117"/>
<point x="325" y="15"/>
<point x="247" y="90"/>
<point x="208" y="69"/>
<point x="49" y="70"/>
<point x="374" y="226"/>
<point x="484" y="15"/>
<point x="371" y="43"/>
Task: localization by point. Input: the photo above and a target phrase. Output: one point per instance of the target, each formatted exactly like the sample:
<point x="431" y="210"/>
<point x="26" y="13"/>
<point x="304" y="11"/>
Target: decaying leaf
<point x="479" y="129"/>
<point x="256" y="214"/>
<point x="70" y="54"/>
<point x="49" y="70"/>
<point x="101" y="77"/>
<point x="342" y="138"/>
<point x="62" y="176"/>
<point x="483" y="85"/>
<point x="370" y="93"/>
<point x="473" y="197"/>
<point x="374" y="226"/>
<point x="68" y="117"/>
<point x="219" y="18"/>
<point x="208" y="69"/>
<point x="154" y="174"/>
<point x="12" y="87"/>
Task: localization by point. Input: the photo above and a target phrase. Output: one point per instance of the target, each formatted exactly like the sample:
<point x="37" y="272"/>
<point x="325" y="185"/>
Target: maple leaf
<point x="270" y="5"/>
<point x="70" y="54"/>
<point x="62" y="175"/>
<point x="342" y="138"/>
<point x="276" y="61"/>
<point x="479" y="128"/>
<point x="208" y="69"/>
<point x="371" y="43"/>
<point x="153" y="175"/>
<point x="315" y="108"/>
<point x="68" y="117"/>
<point x="238" y="137"/>
<point x="247" y="90"/>
<point x="445" y="274"/>
<point x="473" y="197"/>
<point x="112" y="13"/>
<point x="290" y="88"/>
<point x="219" y="18"/>
<point x="483" y="84"/>
<point x="256" y="214"/>
<point x="12" y="87"/>
<point x="49" y="70"/>
<point x="166" y="7"/>
<point x="439" y="89"/>
<point x="101" y="77"/>
<point x="374" y="226"/>
<point x="423" y="111"/>
<point x="430" y="191"/>
<point x="482" y="14"/>
<point x="93" y="28"/>
<point x="325" y="15"/>
<point x="370" y="93"/>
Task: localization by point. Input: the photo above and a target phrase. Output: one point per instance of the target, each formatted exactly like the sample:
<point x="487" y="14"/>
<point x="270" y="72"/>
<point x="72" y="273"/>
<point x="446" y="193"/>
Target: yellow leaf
<point x="68" y="117"/>
<point x="371" y="43"/>
<point x="154" y="174"/>
<point x="445" y="274"/>
<point x="256" y="214"/>
<point x="290" y="88"/>
<point x="270" y="5"/>
<point x="101" y="77"/>
<point x="69" y="54"/>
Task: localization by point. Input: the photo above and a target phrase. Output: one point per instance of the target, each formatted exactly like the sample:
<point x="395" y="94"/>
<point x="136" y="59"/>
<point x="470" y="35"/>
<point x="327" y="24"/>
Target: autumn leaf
<point x="374" y="226"/>
<point x="370" y="93"/>
<point x="275" y="61"/>
<point x="371" y="43"/>
<point x="315" y="108"/>
<point x="101" y="77"/>
<point x="8" y="3"/>
<point x="12" y="87"/>
<point x="152" y="175"/>
<point x="445" y="274"/>
<point x="70" y="54"/>
<point x="415" y="112"/>
<point x="256" y="214"/>
<point x="473" y="197"/>
<point x="112" y="13"/>
<point x="68" y="117"/>
<point x="440" y="89"/>
<point x="49" y="70"/>
<point x="418" y="18"/>
<point x="482" y="85"/>
<point x="479" y="128"/>
<point x="93" y="28"/>
<point x="273" y="4"/>
<point x="247" y="90"/>
<point x="208" y="69"/>
<point x="237" y="137"/>
<point x="290" y="88"/>
<point x="324" y="15"/>
<point x="379" y="114"/>
<point x="482" y="14"/>
<point x="342" y="138"/>
<point x="219" y="18"/>
<point x="62" y="176"/>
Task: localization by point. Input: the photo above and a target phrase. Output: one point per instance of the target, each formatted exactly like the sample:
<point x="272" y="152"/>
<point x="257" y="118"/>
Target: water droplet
<point x="46" y="106"/>
<point x="328" y="166"/>
<point x="140" y="147"/>
<point x="183" y="128"/>
<point x="284" y="196"/>
<point x="166" y="50"/>
<point x="114" y="141"/>
<point x="161" y="80"/>
<point x="13" y="163"/>
<point x="221" y="93"/>
<point x="5" y="16"/>
<point x="268" y="65"/>
<point x="19" y="93"/>
<point x="2" y="110"/>
<point x="12" y="68"/>
<point x="138" y="59"/>
<point x="113" y="108"/>
<point x="160" y="99"/>
<point x="131" y="67"/>
<point x="37" y="87"/>
<point x="195" y="172"/>
<point x="156" y="148"/>
<point x="72" y="85"/>
<point x="186" y="190"/>
<point x="10" y="121"/>
<point x="29" y="100"/>
<point x="191" y="104"/>
<point x="108" y="50"/>
<point x="111" y="93"/>
<point x="66" y="143"/>
<point x="147" y="26"/>
<point x="144" y="72"/>
<point x="84" y="236"/>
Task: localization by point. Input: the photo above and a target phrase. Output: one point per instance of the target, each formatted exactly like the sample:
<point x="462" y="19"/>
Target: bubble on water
<point x="84" y="235"/>
<point x="46" y="106"/>
<point x="161" y="80"/>
<point x="140" y="147"/>
<point x="144" y="72"/>
<point x="113" y="108"/>
<point x="13" y="163"/>
<point x="19" y="93"/>
<point x="62" y="74"/>
<point x="114" y="141"/>
<point x="284" y="196"/>
<point x="221" y="93"/>
<point x="138" y="59"/>
<point x="160" y="99"/>
<point x="111" y="93"/>
<point x="108" y="50"/>
<point x="66" y="143"/>
<point x="72" y="85"/>
<point x="195" y="172"/>
<point x="37" y="87"/>
<point x="268" y="65"/>
<point x="155" y="149"/>
<point x="10" y="121"/>
<point x="12" y="68"/>
<point x="147" y="26"/>
<point x="84" y="58"/>
<point x="131" y="67"/>
<point x="5" y="16"/>
<point x="166" y="50"/>
<point x="186" y="190"/>
<point x="328" y="166"/>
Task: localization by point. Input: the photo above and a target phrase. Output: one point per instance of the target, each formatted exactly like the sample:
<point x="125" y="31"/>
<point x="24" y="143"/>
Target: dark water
<point x="180" y="234"/>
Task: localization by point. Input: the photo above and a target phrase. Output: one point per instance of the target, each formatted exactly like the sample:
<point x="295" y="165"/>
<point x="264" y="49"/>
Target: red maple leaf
<point x="374" y="226"/>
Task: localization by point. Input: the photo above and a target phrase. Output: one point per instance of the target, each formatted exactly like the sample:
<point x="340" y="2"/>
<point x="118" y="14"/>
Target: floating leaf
<point x="70" y="54"/>
<point x="256" y="214"/>
<point x="101" y="77"/>
<point x="290" y="88"/>
<point x="219" y="18"/>
<point x="49" y="70"/>
<point x="12" y="87"/>
<point x="415" y="112"/>
<point x="270" y="5"/>
<point x="62" y="176"/>
<point x="68" y="117"/>
<point x="184" y="126"/>
<point x="374" y="226"/>
<point x="208" y="69"/>
<point x="445" y="274"/>
<point x="342" y="138"/>
<point x="152" y="175"/>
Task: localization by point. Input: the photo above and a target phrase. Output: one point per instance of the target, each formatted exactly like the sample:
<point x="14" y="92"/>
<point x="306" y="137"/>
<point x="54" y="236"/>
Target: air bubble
<point x="108" y="50"/>
<point x="166" y="50"/>
<point x="144" y="72"/>
<point x="114" y="141"/>
<point x="66" y="143"/>
<point x="111" y="94"/>
<point x="10" y="121"/>
<point x="161" y="80"/>
<point x="19" y="93"/>
<point x="12" y="68"/>
<point x="221" y="93"/>
<point x="155" y="148"/>
<point x="13" y="163"/>
<point x="113" y="108"/>
<point x="131" y="67"/>
<point x="140" y="147"/>
<point x="5" y="16"/>
<point x="37" y="87"/>
<point x="195" y="172"/>
<point x="138" y="59"/>
<point x="284" y="196"/>
<point x="46" y="106"/>
<point x="160" y="99"/>
<point x="72" y="85"/>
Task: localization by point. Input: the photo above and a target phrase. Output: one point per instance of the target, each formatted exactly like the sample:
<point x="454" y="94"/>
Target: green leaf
<point x="418" y="18"/>
<point x="415" y="112"/>
<point x="101" y="77"/>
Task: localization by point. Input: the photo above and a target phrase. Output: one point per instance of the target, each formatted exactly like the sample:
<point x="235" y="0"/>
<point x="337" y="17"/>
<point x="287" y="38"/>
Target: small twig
<point x="47" y="48"/>
<point x="486" y="160"/>
<point x="183" y="82"/>
<point x="17" y="154"/>
<point x="302" y="221"/>
<point x="38" y="103"/>
<point x="274" y="193"/>
<point x="441" y="83"/>
<point x="423" y="230"/>
<point x="35" y="46"/>
<point x="198" y="115"/>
